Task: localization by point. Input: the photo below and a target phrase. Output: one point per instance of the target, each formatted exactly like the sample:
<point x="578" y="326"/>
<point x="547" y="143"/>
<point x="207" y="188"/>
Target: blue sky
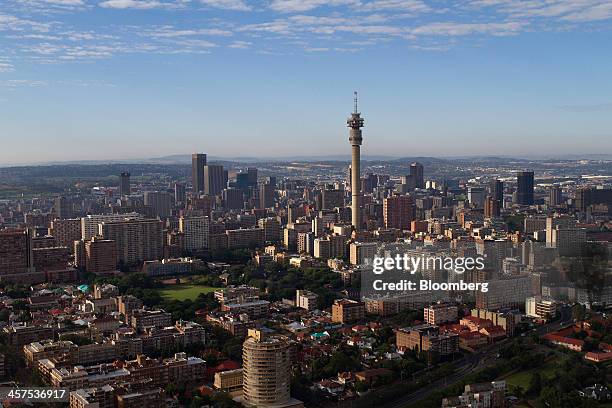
<point x="117" y="79"/>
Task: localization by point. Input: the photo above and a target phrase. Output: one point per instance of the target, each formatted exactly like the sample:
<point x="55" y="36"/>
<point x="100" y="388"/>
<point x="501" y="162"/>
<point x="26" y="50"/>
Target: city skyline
<point x="80" y="78"/>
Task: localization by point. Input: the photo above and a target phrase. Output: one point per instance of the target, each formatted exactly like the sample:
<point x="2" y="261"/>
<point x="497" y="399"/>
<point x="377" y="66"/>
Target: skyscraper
<point x="416" y="171"/>
<point x="496" y="190"/>
<point x="555" y="196"/>
<point x="124" y="183"/>
<point x="198" y="161"/>
<point x="398" y="212"/>
<point x="355" y="123"/>
<point x="159" y="201"/>
<point x="524" y="187"/>
<point x="214" y="179"/>
<point x="252" y="176"/>
<point x="179" y="193"/>
<point x="266" y="195"/>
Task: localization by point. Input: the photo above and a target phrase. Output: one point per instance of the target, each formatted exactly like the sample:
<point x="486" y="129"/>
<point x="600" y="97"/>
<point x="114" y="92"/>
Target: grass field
<point x="522" y="378"/>
<point x="184" y="292"/>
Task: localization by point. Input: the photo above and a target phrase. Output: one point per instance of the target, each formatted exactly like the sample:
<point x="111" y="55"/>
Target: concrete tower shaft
<point x="355" y="123"/>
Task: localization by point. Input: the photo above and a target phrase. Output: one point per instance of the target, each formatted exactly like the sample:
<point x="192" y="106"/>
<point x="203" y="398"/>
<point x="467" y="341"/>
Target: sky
<point x="129" y="79"/>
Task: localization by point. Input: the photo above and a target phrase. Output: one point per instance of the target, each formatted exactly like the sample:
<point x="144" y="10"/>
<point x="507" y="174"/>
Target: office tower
<point x="196" y="232"/>
<point x="416" y="171"/>
<point x="100" y="255"/>
<point x="63" y="208"/>
<point x="555" y="196"/>
<point x="266" y="370"/>
<point x="179" y="193"/>
<point x="198" y="161"/>
<point x="214" y="179"/>
<point x="266" y="196"/>
<point x="496" y="191"/>
<point x="271" y="228"/>
<point x="245" y="238"/>
<point x="271" y="180"/>
<point x="524" y="187"/>
<point x="159" y="201"/>
<point x="355" y="123"/>
<point x="136" y="240"/>
<point x="16" y="256"/>
<point x="331" y="198"/>
<point x="399" y="212"/>
<point x="476" y="196"/>
<point x="491" y="207"/>
<point x="242" y="181"/>
<point x="233" y="198"/>
<point x="252" y="176"/>
<point x="124" y="184"/>
<point x="586" y="197"/>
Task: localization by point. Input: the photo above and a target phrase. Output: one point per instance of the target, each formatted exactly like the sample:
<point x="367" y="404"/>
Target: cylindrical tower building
<point x="266" y="370"/>
<point x="355" y="123"/>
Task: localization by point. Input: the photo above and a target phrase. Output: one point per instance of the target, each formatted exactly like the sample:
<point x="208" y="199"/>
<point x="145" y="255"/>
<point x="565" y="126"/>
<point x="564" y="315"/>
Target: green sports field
<point x="184" y="292"/>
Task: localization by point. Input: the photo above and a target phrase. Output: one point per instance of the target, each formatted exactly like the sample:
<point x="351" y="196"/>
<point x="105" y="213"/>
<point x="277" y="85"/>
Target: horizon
<point x="118" y="79"/>
<point x="185" y="159"/>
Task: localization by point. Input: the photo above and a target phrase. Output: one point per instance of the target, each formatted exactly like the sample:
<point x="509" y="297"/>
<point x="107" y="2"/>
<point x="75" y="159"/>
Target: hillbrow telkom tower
<point x="355" y="123"/>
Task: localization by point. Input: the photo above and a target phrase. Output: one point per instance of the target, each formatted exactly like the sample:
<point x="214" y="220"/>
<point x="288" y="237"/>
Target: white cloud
<point x="461" y="29"/>
<point x="296" y="6"/>
<point x="12" y="23"/>
<point x="171" y="32"/>
<point x="236" y="5"/>
<point x="137" y="4"/>
<point x="412" y="6"/>
<point x="6" y="67"/>
<point x="240" y="45"/>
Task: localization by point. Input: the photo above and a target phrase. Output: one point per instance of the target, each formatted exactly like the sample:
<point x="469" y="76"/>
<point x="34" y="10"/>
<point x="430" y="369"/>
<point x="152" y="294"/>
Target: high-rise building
<point x="16" y="257"/>
<point x="271" y="228"/>
<point x="196" y="232"/>
<point x="491" y="207"/>
<point x="124" y="184"/>
<point x="198" y="161"/>
<point x="399" y="212"/>
<point x="63" y="208"/>
<point x="89" y="224"/>
<point x="160" y="202"/>
<point x="355" y="123"/>
<point x="266" y="370"/>
<point x="416" y="171"/>
<point x="214" y="179"/>
<point x="496" y="190"/>
<point x="524" y="187"/>
<point x="555" y="196"/>
<point x="66" y="231"/>
<point x="233" y="198"/>
<point x="136" y="240"/>
<point x="179" y="193"/>
<point x="100" y="256"/>
<point x="585" y="197"/>
<point x="332" y="198"/>
<point x="360" y="252"/>
<point x="252" y="176"/>
<point x="266" y="195"/>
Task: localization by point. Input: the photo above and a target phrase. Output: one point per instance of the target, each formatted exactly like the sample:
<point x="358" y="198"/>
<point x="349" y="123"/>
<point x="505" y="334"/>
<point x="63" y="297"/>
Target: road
<point x="474" y="362"/>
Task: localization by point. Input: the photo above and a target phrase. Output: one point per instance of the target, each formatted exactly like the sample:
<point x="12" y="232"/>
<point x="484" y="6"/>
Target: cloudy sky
<point x="116" y="79"/>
